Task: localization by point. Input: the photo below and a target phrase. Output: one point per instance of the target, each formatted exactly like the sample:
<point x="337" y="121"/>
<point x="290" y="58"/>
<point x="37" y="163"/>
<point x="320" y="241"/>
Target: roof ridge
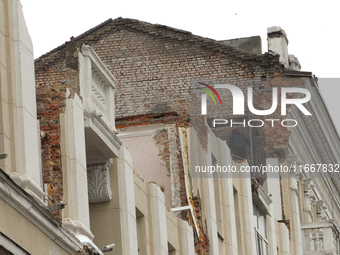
<point x="49" y="52"/>
<point x="93" y="29"/>
<point x="166" y="32"/>
<point x="142" y="26"/>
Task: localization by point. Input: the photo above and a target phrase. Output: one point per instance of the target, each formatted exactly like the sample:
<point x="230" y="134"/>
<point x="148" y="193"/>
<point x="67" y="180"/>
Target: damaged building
<point x="102" y="138"/>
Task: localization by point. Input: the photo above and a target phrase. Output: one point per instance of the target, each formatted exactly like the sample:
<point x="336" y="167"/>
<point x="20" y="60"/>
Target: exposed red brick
<point x="154" y="66"/>
<point x="49" y="107"/>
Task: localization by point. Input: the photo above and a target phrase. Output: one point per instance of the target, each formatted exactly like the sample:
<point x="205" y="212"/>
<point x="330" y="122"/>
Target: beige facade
<point x="136" y="218"/>
<point x="299" y="209"/>
<point x="99" y="185"/>
<point x="26" y="227"/>
<point x="19" y="126"/>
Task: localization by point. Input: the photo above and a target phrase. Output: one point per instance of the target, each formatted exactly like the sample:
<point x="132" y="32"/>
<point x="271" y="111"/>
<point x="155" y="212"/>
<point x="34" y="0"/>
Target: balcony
<point x="102" y="145"/>
<point x="97" y="87"/>
<point x="320" y="238"/>
<point x="97" y="92"/>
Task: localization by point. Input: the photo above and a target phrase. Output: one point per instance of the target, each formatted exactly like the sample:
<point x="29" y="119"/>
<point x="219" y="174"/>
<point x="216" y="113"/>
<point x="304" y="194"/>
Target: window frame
<point x="261" y="239"/>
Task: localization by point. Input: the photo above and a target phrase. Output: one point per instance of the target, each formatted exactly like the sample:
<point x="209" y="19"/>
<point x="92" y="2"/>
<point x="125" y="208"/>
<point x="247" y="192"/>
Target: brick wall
<point x="154" y="66"/>
<point x="53" y="76"/>
<point x="50" y="104"/>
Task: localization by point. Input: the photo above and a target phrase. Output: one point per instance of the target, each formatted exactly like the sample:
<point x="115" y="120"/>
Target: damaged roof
<point x="155" y="64"/>
<point x="111" y="25"/>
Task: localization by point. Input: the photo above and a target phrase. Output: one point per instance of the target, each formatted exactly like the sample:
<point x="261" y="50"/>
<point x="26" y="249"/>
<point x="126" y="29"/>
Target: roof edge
<point x="76" y="38"/>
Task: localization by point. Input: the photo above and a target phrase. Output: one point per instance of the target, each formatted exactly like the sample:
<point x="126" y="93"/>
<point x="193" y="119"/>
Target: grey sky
<point x="312" y="26"/>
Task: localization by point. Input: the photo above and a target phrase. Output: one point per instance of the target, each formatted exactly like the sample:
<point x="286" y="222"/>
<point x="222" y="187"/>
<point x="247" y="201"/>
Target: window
<point x="141" y="233"/>
<point x="260" y="231"/>
<point x="171" y="249"/>
<point x="219" y="207"/>
<point x="238" y="221"/>
<point x="3" y="251"/>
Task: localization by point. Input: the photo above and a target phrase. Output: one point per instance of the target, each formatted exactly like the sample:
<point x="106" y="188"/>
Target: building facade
<point x="102" y="150"/>
<point x="26" y="226"/>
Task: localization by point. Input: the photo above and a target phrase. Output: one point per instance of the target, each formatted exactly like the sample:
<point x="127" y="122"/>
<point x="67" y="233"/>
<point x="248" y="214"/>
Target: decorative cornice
<point x="309" y="197"/>
<point x="313" y="127"/>
<point x="29" y="186"/>
<point x="91" y="118"/>
<point x="263" y="195"/>
<point x="294" y="184"/>
<point x="140" y="131"/>
<point x="320" y="142"/>
<point x="321" y="210"/>
<point x="44" y="220"/>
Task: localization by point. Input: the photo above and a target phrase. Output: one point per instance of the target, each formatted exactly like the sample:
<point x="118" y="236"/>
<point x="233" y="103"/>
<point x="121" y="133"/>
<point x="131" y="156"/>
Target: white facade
<point x="19" y="131"/>
<point x="97" y="168"/>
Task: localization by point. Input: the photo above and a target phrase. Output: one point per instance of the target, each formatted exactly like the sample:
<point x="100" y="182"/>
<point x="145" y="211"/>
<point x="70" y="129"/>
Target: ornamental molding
<point x="320" y="142"/>
<point x="139" y="131"/>
<point x="317" y="130"/>
<point x="318" y="136"/>
<point x="99" y="185"/>
<point x="317" y="133"/>
<point x="309" y="196"/>
<point x="321" y="210"/>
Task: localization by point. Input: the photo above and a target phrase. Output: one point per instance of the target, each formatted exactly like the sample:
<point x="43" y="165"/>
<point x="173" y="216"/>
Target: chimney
<point x="278" y="43"/>
<point x="294" y="63"/>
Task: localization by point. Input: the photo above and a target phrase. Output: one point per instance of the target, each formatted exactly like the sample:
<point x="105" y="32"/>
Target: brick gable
<point x="154" y="66"/>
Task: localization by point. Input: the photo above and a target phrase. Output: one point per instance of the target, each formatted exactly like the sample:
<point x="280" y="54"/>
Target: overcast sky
<point x="312" y="26"/>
